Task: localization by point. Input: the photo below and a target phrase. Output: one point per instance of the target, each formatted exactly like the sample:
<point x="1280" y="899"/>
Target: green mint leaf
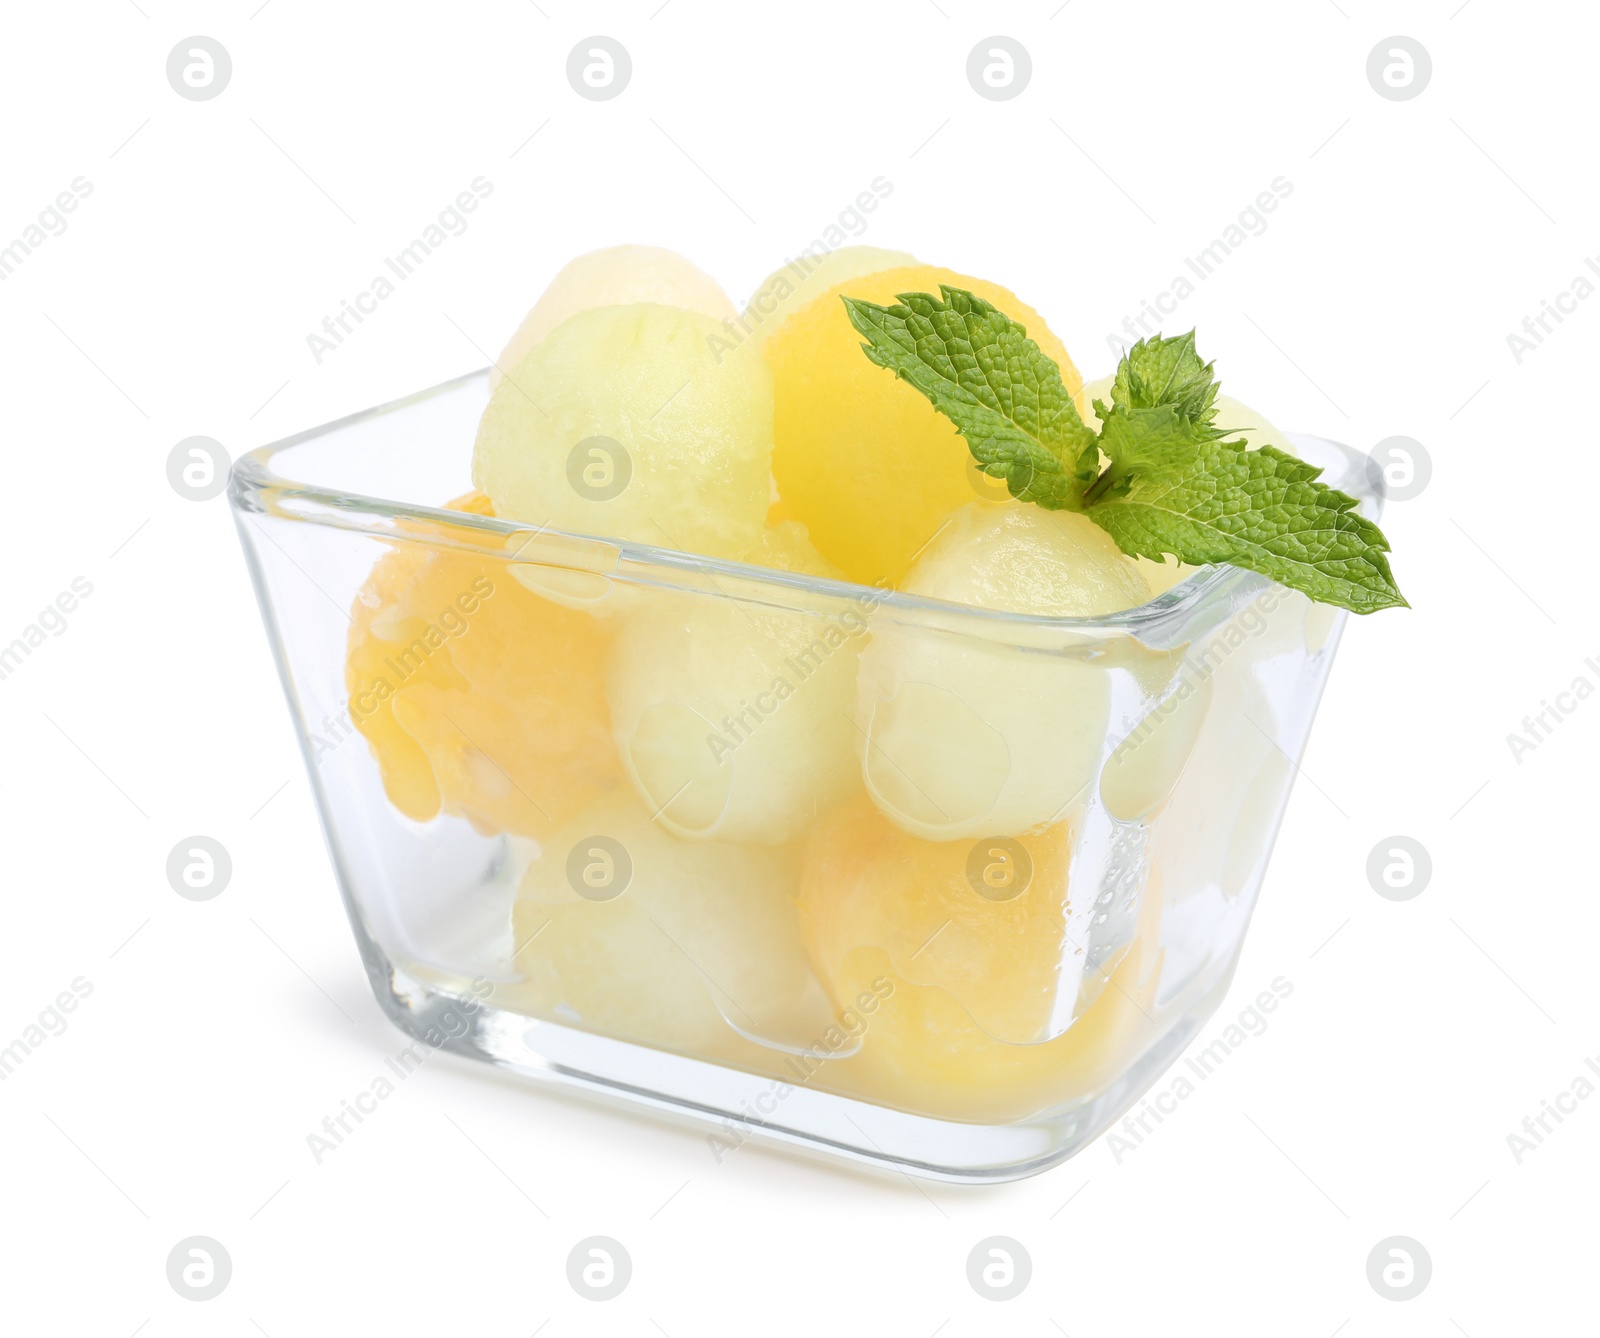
<point x="1161" y="371"/>
<point x="1177" y="489"/>
<point x="1174" y="483"/>
<point x="1004" y="395"/>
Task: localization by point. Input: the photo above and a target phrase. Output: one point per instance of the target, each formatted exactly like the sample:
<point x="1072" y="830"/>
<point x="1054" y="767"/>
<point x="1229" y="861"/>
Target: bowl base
<point x="733" y="1108"/>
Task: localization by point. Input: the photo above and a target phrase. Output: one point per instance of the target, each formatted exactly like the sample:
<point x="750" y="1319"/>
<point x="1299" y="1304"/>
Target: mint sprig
<point x="983" y="373"/>
<point x="1159" y="478"/>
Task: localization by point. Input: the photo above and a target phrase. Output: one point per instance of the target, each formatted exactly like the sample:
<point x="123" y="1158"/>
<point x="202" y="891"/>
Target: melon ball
<point x="622" y="424"/>
<point x="622" y="929"/>
<point x="963" y="736"/>
<point x="861" y="457"/>
<point x="479" y="698"/>
<point x="614" y="277"/>
<point x="989" y="927"/>
<point x="1255" y="429"/>
<point x="1145" y="767"/>
<point x="980" y="1027"/>
<point x="733" y="717"/>
<point x="1164" y="575"/>
<point x="805" y="278"/>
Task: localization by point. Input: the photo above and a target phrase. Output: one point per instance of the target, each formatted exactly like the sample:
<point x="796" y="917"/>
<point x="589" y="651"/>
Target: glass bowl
<point x="911" y="883"/>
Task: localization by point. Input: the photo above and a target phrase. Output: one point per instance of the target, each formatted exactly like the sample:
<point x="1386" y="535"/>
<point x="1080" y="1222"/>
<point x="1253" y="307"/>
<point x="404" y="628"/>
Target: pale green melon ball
<point x="622" y="424"/>
<point x="733" y="716"/>
<point x="965" y="737"/>
<point x="622" y="929"/>
<point x="613" y="277"/>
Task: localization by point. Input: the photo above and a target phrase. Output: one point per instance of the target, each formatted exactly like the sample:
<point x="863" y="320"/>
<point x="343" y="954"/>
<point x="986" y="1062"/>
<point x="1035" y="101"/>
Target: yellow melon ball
<point x="797" y="284"/>
<point x="966" y="734"/>
<point x="614" y="277"/>
<point x="622" y="929"/>
<point x="733" y="716"/>
<point x="380" y="624"/>
<point x="860" y="456"/>
<point x="977" y="985"/>
<point x="478" y="698"/>
<point x="984" y="920"/>
<point x="622" y="424"/>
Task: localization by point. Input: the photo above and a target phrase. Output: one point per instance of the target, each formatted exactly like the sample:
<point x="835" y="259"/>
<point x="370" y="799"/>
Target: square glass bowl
<point x="916" y="884"/>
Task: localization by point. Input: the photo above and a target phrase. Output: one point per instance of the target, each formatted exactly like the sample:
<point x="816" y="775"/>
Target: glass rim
<point x="1161" y="619"/>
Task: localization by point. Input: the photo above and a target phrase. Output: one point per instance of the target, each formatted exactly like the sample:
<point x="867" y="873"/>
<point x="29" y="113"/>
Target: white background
<point x="218" y="235"/>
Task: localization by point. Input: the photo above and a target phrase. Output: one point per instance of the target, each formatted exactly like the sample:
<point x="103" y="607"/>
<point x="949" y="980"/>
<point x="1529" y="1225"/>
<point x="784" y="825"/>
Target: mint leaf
<point x="1174" y="483"/>
<point x="1208" y="500"/>
<point x="1005" y="396"/>
<point x="1165" y="371"/>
